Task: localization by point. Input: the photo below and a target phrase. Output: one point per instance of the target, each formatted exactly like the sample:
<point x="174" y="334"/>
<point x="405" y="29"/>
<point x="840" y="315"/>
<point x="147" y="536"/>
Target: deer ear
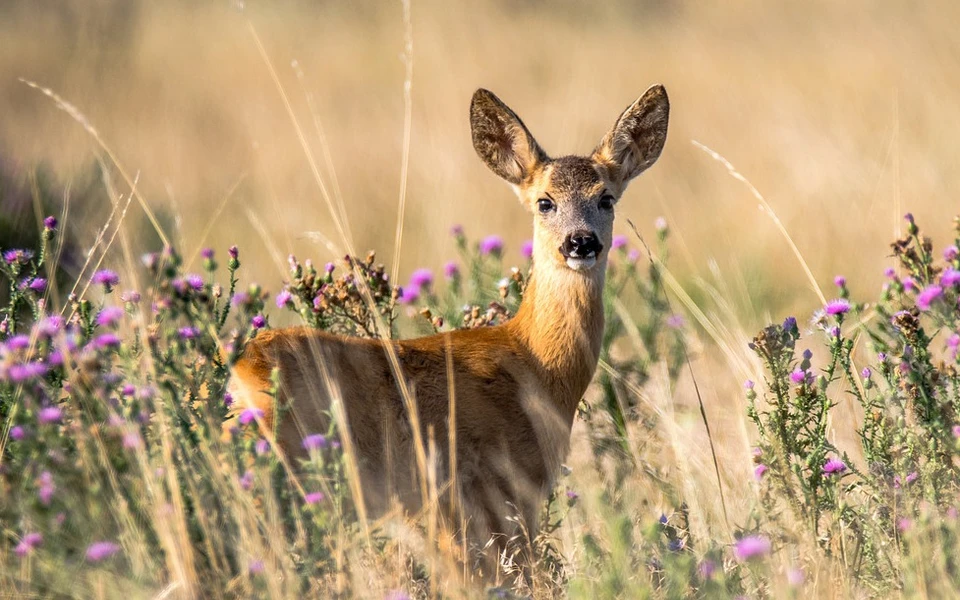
<point x="637" y="138"/>
<point x="502" y="140"/>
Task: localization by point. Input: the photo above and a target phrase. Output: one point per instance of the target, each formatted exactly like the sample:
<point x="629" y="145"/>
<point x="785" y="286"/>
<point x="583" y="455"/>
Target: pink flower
<point x="751" y="547"/>
<point x="526" y="249"/>
<point x="421" y="278"/>
<point x="314" y="498"/>
<point x="250" y="415"/>
<point x="99" y="551"/>
<point x="492" y="244"/>
<point x="834" y="466"/>
<point x="619" y="241"/>
<point x="451" y="270"/>
<point x="758" y="472"/>
<point x="928" y="295"/>
<point x="837" y="307"/>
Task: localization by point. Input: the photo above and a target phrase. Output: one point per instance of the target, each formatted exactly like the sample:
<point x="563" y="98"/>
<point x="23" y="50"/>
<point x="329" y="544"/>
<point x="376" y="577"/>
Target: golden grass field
<point x="842" y="115"/>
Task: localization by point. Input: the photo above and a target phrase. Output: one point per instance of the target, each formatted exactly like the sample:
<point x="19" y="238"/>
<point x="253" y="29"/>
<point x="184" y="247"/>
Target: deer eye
<point x="545" y="205"/>
<point x="606" y="202"/>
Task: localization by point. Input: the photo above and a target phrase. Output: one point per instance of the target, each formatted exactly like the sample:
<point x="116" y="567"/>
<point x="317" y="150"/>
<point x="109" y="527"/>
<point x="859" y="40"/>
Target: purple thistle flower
<point x="17" y="255"/>
<point x="837" y="307"/>
<point x="526" y="249"/>
<point x="904" y="524"/>
<point x="707" y="568"/>
<point x="409" y="295"/>
<point x="889" y="273"/>
<point x="250" y="415"/>
<point x="789" y="324"/>
<point x="491" y="245"/>
<point x="246" y="481"/>
<point x="50" y="223"/>
<point x="26" y="372"/>
<point x="109" y="316"/>
<point x="839" y="281"/>
<point x="106" y="340"/>
<point x="928" y="295"/>
<point x="233" y="252"/>
<point x="795" y="577"/>
<point x="660" y="224"/>
<point x="950" y="253"/>
<point x="227" y="399"/>
<point x="258" y="321"/>
<point x="188" y="333"/>
<point x="314" y="498"/>
<point x="132" y="440"/>
<point x="950" y="278"/>
<point x="194" y="281"/>
<point x="748" y="384"/>
<point x="956" y="431"/>
<point x="751" y="547"/>
<point x="131" y="296"/>
<point x="456" y="231"/>
<point x="49" y="326"/>
<point x="284" y="298"/>
<point x="451" y="270"/>
<point x="38" y="285"/>
<point x="107" y="278"/>
<point x="315" y="441"/>
<point x="256" y="567"/>
<point x="798" y="376"/>
<point x="866" y="373"/>
<point x="633" y="255"/>
<point x="572" y="495"/>
<point x="834" y="466"/>
<point x="49" y="415"/>
<point x="758" y="471"/>
<point x="421" y="278"/>
<point x="46" y="488"/>
<point x="261" y="447"/>
<point x="99" y="551"/>
<point x="675" y="321"/>
<point x="240" y="298"/>
<point x="207" y="253"/>
<point x="619" y="241"/>
<point x="17" y="433"/>
<point x="18" y="342"/>
<point x="329" y="268"/>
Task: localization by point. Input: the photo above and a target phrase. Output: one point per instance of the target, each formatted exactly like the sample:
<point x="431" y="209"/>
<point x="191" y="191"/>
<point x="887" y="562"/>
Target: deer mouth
<point x="581" y="263"/>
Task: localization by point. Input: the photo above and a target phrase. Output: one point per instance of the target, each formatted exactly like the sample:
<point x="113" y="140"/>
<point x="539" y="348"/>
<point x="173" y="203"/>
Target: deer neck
<point x="560" y="323"/>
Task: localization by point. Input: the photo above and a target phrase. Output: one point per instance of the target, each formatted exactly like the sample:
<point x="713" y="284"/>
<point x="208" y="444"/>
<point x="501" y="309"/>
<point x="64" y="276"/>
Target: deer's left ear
<point x="502" y="140"/>
<point x="638" y="136"/>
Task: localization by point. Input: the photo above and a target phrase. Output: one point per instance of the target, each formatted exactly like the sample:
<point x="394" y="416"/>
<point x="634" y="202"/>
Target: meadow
<point x="775" y="414"/>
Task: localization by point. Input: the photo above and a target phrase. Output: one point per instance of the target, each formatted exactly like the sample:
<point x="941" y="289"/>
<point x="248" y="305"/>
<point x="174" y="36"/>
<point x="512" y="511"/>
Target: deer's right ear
<point x="502" y="140"/>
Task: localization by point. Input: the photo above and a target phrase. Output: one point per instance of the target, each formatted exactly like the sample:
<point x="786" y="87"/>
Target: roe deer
<point x="516" y="385"/>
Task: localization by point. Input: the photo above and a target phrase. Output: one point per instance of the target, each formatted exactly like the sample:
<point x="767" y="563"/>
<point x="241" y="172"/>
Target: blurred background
<point x="843" y="115"/>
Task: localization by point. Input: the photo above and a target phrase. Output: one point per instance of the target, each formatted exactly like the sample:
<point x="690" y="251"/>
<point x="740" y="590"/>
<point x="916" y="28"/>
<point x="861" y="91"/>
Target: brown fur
<point x="517" y="385"/>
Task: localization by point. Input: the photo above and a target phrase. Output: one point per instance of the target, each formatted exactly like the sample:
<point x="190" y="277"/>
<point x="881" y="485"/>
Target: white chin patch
<point x="581" y="264"/>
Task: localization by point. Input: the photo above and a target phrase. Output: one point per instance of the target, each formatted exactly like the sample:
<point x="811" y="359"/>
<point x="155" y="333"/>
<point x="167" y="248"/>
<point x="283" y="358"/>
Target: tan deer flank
<point x="517" y="385"/>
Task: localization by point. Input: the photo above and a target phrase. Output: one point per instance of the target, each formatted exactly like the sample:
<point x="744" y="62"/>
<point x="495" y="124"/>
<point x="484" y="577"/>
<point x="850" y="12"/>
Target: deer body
<point x="516" y="385"/>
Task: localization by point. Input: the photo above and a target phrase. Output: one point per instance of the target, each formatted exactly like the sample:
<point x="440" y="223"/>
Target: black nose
<point x="581" y="244"/>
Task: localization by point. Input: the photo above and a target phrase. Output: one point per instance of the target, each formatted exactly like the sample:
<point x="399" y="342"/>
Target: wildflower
<point x="38" y="285"/>
<point x="707" y="568"/>
<point x="107" y="278"/>
<point x="866" y="373"/>
<point x="132" y="440"/>
<point x="131" y="296"/>
<point x="909" y="283"/>
<point x="572" y="495"/>
<point x="26" y="372"/>
<point x="928" y="295"/>
<point x="240" y="298"/>
<point x="789" y="324"/>
<point x="246" y="481"/>
<point x="950" y="278"/>
<point x="456" y="231"/>
<point x="421" y="278"/>
<point x="99" y="551"/>
<point x="109" y="316"/>
<point x="18" y="342"/>
<point x="633" y="255"/>
<point x="49" y="326"/>
<point x="315" y="441"/>
<point x="233" y="252"/>
<point x="188" y="333"/>
<point x="837" y="307"/>
<point x="834" y="466"/>
<point x="451" y="270"/>
<point x="526" y="249"/>
<point x="46" y="488"/>
<point x="284" y="298"/>
<point x="227" y="399"/>
<point x="795" y="576"/>
<point x="663" y="519"/>
<point x="758" y="471"/>
<point x="194" y="281"/>
<point x="904" y="524"/>
<point x="50" y="223"/>
<point x="619" y="241"/>
<point x="798" y="376"/>
<point x="329" y="268"/>
<point x="258" y="321"/>
<point x="17" y="256"/>
<point x="49" y="415"/>
<point x="261" y="447"/>
<point x="128" y="390"/>
<point x="314" y="498"/>
<point x="660" y="224"/>
<point x="675" y="321"/>
<point x="751" y="547"/>
<point x="250" y="415"/>
<point x="207" y="253"/>
<point x="839" y="281"/>
<point x="950" y="253"/>
<point x="256" y="567"/>
<point x="17" y="433"/>
<point x="492" y="244"/>
<point x="748" y="384"/>
<point x="953" y="342"/>
<point x="409" y="295"/>
<point x="28" y="543"/>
